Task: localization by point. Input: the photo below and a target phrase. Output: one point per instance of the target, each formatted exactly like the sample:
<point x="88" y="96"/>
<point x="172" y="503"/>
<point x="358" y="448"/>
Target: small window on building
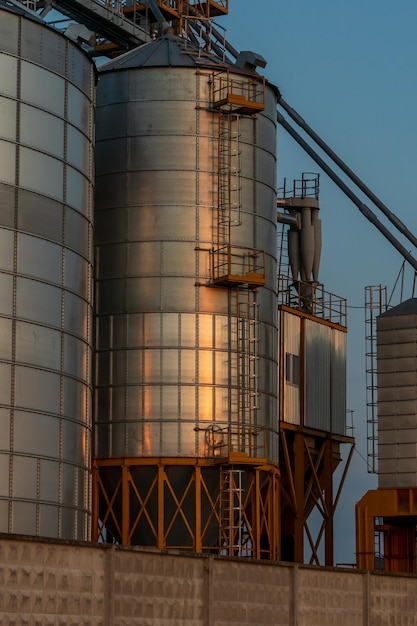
<point x="292" y="368"/>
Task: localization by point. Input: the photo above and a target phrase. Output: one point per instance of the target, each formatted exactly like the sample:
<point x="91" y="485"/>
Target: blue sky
<point x="348" y="68"/>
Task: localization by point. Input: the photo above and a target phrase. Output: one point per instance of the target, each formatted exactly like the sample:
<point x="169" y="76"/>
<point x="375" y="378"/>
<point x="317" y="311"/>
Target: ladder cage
<point x="375" y="303"/>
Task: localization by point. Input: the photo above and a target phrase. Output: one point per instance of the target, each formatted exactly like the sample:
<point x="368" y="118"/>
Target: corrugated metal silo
<point x="397" y="396"/>
<point x="186" y="273"/>
<point x="46" y="155"/>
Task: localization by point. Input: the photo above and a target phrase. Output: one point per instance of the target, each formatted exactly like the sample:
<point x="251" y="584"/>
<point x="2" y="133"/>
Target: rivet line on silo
<point x="14" y="285"/>
<point x="76" y="506"/>
<point x="161" y="343"/>
<point x="38" y="495"/>
<point x="179" y="350"/>
<point x="143" y="404"/>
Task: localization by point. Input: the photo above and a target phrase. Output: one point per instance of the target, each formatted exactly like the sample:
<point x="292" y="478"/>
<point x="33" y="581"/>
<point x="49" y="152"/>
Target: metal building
<point x="186" y="428"/>
<point x="46" y="155"/>
<point x="312" y="381"/>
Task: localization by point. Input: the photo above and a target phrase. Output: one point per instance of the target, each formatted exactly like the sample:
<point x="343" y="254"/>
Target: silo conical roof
<point x="167" y="51"/>
<point x="408" y="307"/>
<point x="21" y="11"/>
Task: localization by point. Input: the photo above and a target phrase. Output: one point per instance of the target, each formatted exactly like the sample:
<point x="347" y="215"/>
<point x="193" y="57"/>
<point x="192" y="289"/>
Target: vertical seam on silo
<point x="14" y="285"/>
<point x="62" y="333"/>
<point x="142" y="386"/>
<point x="255" y="183"/>
<point x="75" y="502"/>
<point x="88" y="425"/>
<point x="38" y="495"/>
<point x="197" y="269"/>
<point x="110" y="382"/>
<point x="179" y="351"/>
<point x="125" y="316"/>
<point x="161" y="343"/>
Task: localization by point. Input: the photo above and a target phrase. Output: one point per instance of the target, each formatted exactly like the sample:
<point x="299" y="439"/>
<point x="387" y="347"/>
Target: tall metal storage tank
<point x="397" y="396"/>
<point x="169" y="371"/>
<point x="46" y="155"/>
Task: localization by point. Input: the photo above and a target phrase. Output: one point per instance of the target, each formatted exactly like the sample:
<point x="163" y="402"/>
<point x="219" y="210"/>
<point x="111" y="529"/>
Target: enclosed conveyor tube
<point x="399" y="225"/>
<point x="363" y="208"/>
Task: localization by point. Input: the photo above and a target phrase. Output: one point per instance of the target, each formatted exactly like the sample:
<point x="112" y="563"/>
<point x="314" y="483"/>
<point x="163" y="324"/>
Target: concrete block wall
<point x="45" y="583"/>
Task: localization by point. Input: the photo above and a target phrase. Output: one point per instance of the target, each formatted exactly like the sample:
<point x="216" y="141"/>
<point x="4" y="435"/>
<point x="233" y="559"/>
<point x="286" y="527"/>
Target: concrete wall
<point x="69" y="584"/>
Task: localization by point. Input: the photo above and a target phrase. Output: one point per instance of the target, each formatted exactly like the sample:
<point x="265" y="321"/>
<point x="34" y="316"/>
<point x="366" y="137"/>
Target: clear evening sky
<point x="349" y="69"/>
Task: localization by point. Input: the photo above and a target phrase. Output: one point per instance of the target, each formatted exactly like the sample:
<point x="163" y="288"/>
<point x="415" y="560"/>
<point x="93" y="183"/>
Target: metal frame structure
<point x="191" y="507"/>
<point x="309" y="459"/>
<point x="390" y="515"/>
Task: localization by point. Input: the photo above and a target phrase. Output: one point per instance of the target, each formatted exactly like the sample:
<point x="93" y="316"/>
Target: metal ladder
<point x="231" y="512"/>
<point x="248" y="362"/>
<point x="375" y="304"/>
<point x="229" y="183"/>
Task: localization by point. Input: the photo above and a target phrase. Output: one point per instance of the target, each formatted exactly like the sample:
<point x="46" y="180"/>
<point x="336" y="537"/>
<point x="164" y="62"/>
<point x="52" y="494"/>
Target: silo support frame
<point x="391" y="505"/>
<point x="309" y="459"/>
<point x="160" y="495"/>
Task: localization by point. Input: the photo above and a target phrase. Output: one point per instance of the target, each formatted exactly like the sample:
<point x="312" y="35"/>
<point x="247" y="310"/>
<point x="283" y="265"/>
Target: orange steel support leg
<point x="397" y="505"/>
<point x="257" y="519"/>
<point x="161" y="538"/>
<point x="94" y="504"/>
<point x="365" y="549"/>
<point x="198" y="540"/>
<point x="125" y="506"/>
<point x="274" y="524"/>
<point x="299" y="472"/>
<point x="328" y="498"/>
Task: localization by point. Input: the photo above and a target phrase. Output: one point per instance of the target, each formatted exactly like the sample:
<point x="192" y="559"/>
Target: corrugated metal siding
<point x="338" y="382"/>
<point x="291" y="329"/>
<point x="397" y="400"/>
<point x="318" y="362"/>
<point x="325" y="378"/>
<point x="324" y="364"/>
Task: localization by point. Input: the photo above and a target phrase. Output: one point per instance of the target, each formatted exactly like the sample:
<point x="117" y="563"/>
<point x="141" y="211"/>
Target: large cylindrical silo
<point x="186" y="358"/>
<point x="46" y="155"/>
<point x="397" y="396"/>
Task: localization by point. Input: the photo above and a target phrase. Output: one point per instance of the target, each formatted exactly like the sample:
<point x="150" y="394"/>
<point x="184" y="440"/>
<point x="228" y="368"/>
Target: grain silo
<point x="46" y="155"/>
<point x="186" y="427"/>
<point x="386" y="517"/>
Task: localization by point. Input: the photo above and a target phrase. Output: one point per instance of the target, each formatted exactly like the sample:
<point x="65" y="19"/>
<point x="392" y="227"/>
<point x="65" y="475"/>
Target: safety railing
<point x="238" y="93"/>
<point x="305" y="187"/>
<point x="228" y="440"/>
<point x="313" y="299"/>
<point x="238" y="265"/>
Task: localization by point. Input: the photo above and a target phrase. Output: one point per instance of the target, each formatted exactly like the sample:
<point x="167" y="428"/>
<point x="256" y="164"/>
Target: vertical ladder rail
<point x="229" y="183"/>
<point x="375" y="304"/>
<point x="231" y="512"/>
<point x="248" y="366"/>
